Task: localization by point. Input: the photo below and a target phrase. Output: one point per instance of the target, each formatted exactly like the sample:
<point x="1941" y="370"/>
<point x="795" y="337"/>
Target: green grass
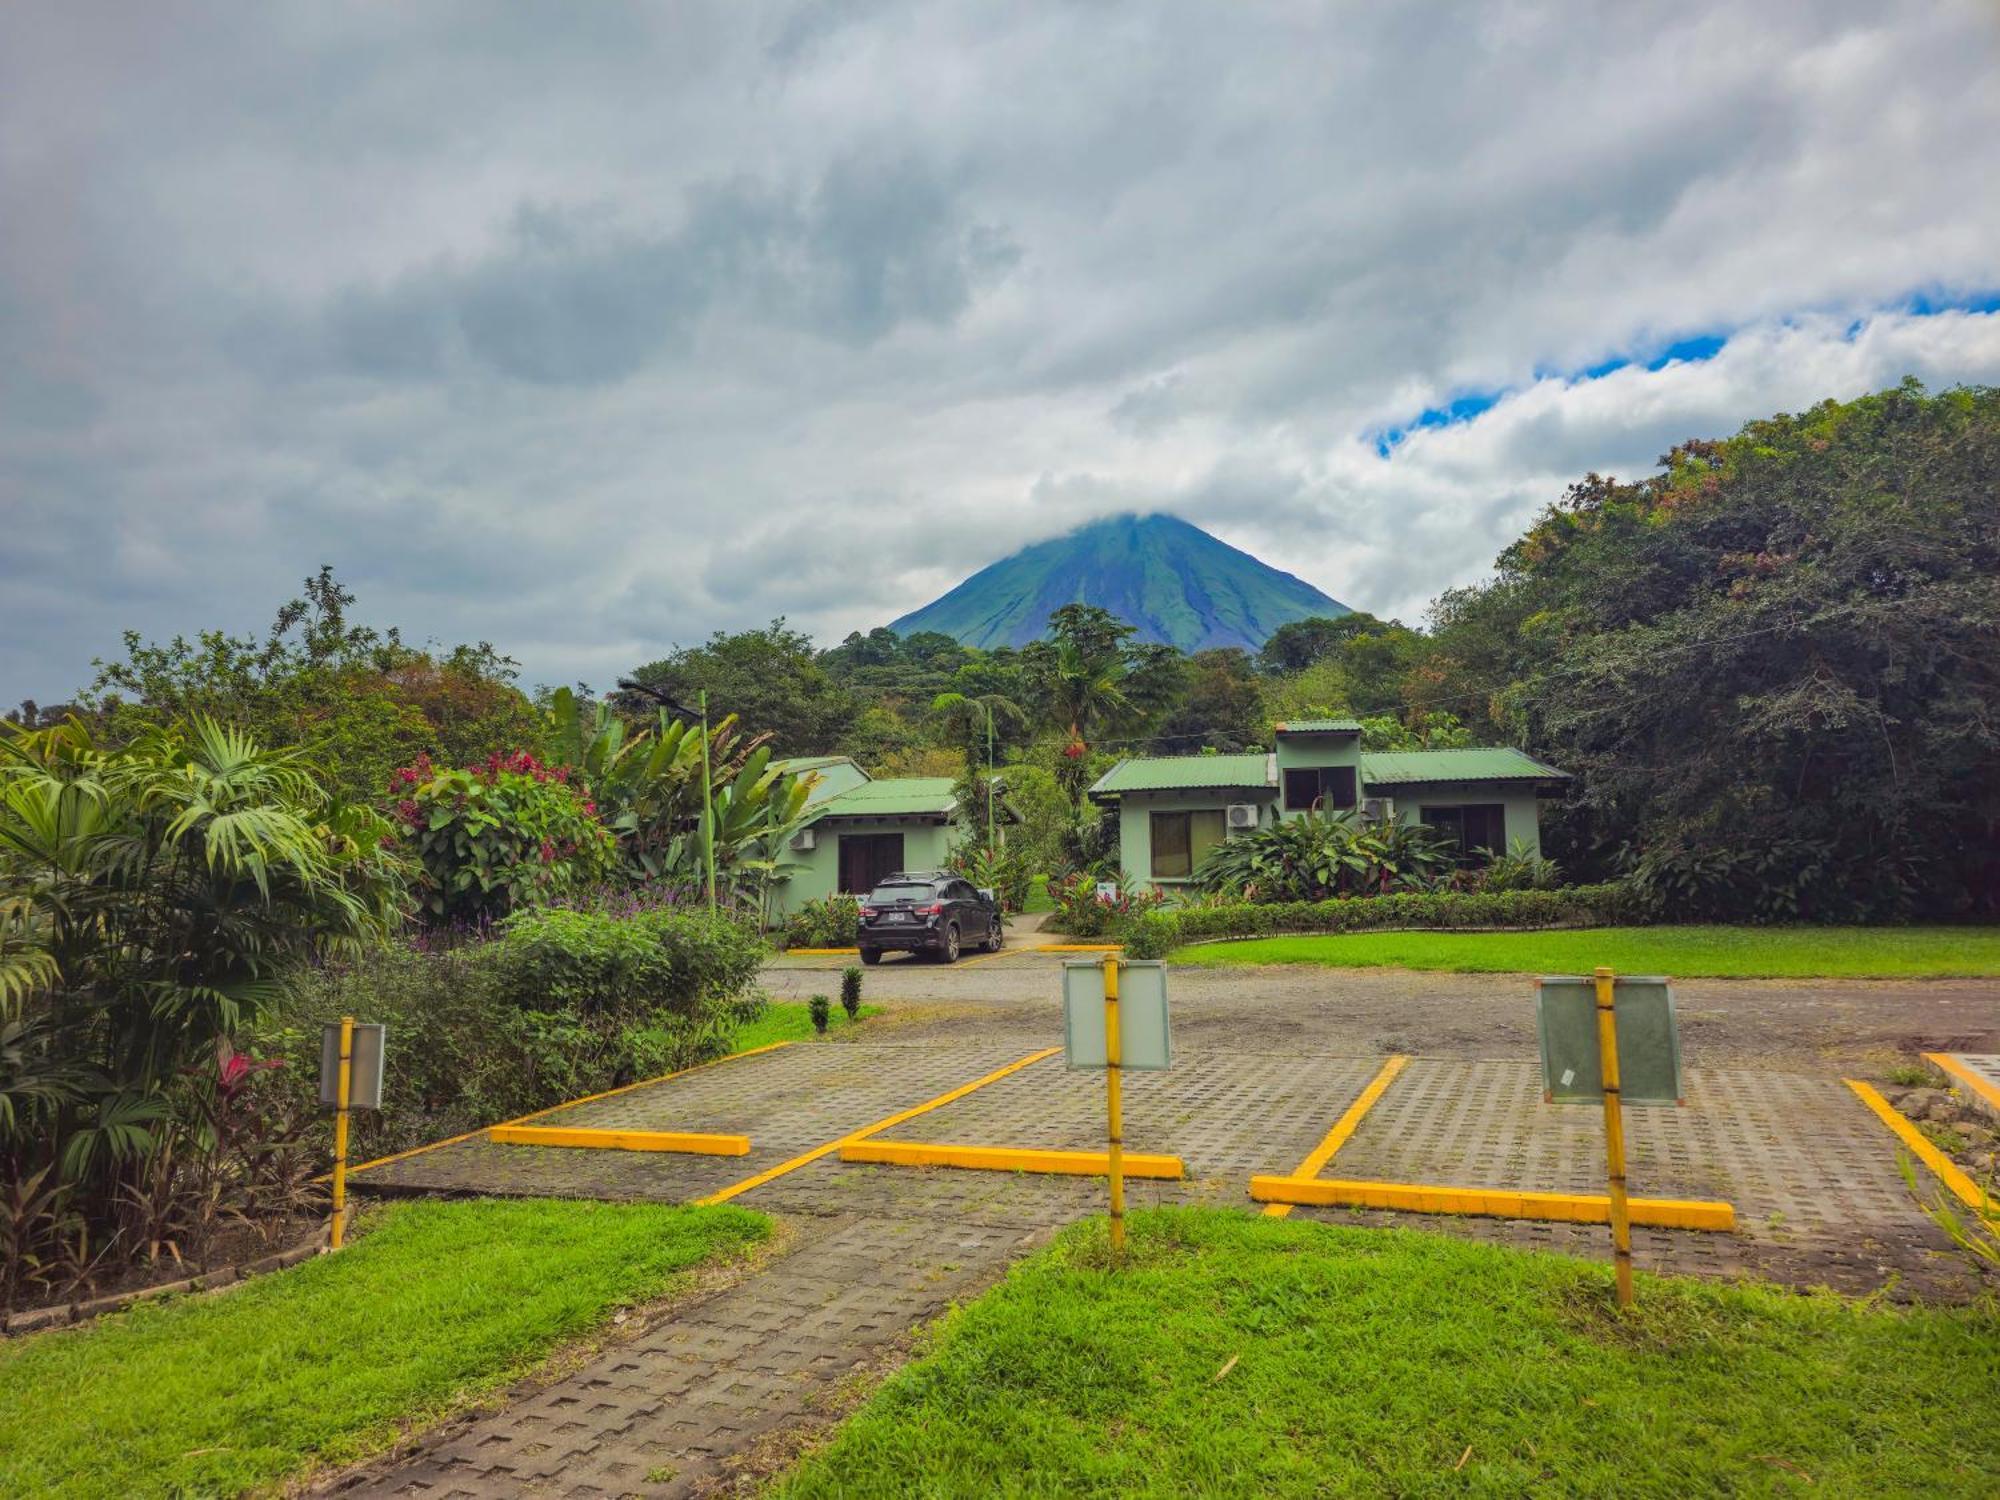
<point x="791" y="1021"/>
<point x="1038" y="898"/>
<point x="1680" y="952"/>
<point x="1369" y="1362"/>
<point x="321" y="1363"/>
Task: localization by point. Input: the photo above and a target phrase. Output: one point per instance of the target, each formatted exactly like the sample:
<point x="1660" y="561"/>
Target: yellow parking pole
<point x="1114" y="1107"/>
<point x="1614" y="1133"/>
<point x="337" y="1230"/>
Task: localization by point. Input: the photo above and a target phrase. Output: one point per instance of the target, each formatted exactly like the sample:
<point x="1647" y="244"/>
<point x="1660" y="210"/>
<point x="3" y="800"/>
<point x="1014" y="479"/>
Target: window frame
<point x="1187" y="815"/>
<point x="1324" y="780"/>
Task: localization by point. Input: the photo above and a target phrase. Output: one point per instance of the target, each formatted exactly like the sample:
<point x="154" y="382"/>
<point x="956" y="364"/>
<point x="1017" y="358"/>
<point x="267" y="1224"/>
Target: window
<point x="1301" y="789"/>
<point x="1181" y="841"/>
<point x="1305" y="785"/>
<point x="867" y="859"/>
<point x="1340" y="786"/>
<point x="1479" y="825"/>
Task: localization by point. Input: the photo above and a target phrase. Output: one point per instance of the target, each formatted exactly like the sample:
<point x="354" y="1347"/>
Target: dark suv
<point x="928" y="912"/>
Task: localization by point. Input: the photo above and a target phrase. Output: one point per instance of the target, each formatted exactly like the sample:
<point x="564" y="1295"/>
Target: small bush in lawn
<point x="850" y="992"/>
<point x="821" y="1010"/>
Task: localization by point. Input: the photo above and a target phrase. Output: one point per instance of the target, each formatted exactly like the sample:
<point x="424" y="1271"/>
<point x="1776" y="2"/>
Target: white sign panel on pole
<point x="364" y="1066"/>
<point x="1145" y="1044"/>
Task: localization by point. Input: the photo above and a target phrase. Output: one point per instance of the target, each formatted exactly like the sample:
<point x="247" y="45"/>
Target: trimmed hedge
<point x="1154" y="933"/>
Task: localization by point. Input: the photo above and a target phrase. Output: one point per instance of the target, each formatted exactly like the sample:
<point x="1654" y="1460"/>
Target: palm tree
<point x="1084" y="694"/>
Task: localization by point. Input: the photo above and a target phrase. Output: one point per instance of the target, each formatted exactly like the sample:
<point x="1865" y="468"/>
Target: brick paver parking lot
<point x="877" y="1250"/>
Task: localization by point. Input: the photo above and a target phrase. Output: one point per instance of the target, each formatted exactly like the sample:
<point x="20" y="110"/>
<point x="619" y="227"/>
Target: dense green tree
<point x="1221" y="706"/>
<point x="771" y="679"/>
<point x="1775" y="664"/>
<point x="358" y="700"/>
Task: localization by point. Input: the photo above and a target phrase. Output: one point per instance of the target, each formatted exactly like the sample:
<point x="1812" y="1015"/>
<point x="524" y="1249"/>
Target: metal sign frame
<point x="1649" y="1050"/>
<point x="1145" y="1038"/>
<point x="364" y="1069"/>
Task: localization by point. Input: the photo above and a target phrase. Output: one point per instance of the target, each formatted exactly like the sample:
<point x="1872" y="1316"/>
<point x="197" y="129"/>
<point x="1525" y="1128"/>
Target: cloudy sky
<point x="588" y="329"/>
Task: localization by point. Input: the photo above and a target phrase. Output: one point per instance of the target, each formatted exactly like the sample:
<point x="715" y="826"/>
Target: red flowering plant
<point x="505" y="833"/>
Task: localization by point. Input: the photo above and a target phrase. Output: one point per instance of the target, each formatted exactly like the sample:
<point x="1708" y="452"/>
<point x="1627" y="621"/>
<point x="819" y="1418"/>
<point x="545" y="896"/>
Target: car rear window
<point x="883" y="894"/>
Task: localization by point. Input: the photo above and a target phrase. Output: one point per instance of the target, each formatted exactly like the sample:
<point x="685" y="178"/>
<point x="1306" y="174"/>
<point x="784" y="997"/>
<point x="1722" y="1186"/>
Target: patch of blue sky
<point x="1689" y="349"/>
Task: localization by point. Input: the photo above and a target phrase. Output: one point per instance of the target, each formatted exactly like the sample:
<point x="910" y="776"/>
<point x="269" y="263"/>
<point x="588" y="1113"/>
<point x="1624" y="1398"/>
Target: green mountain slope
<point x="1174" y="581"/>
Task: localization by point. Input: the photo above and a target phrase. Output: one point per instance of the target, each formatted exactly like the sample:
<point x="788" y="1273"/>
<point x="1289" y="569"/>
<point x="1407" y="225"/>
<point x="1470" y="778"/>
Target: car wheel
<point x="871" y="955"/>
<point x="995" y="938"/>
<point x="948" y="953"/>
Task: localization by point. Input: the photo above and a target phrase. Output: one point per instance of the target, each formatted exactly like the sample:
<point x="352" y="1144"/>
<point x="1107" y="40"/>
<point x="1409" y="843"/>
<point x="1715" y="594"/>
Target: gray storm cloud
<point x="587" y="330"/>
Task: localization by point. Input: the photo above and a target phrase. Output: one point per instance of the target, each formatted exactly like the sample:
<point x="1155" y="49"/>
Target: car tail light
<point x="869" y="911"/>
<point x="935" y="909"/>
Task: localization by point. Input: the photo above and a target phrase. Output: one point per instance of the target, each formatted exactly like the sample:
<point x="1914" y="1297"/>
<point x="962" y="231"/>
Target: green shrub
<point x="1081" y="912"/>
<point x="1151" y="934"/>
<point x="1519" y="869"/>
<point x="1327" y="855"/>
<point x="831" y="922"/>
<point x="559" y="1004"/>
<point x="821" y="1011"/>
<point x="850" y="992"/>
<point x="1006" y="873"/>
<point x="643" y="965"/>
<point x="1571" y="906"/>
<point x="495" y="837"/>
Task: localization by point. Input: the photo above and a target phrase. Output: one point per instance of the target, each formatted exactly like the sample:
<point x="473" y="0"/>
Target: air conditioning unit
<point x="805" y="840"/>
<point x="1378" y="809"/>
<point x="1242" y="815"/>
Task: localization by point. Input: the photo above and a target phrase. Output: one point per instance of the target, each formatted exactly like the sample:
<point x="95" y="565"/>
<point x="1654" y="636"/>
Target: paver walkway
<point x="680" y="1409"/>
<point x="878" y="1250"/>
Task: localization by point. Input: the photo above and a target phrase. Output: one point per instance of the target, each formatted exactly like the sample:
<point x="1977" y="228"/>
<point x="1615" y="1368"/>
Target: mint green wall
<point x="816" y="872"/>
<point x="1135" y="826"/>
<point x="1317" y="750"/>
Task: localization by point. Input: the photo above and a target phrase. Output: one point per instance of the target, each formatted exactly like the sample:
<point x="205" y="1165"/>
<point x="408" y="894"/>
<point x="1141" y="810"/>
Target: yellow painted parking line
<point x="1983" y="1087"/>
<point x="1081" y="948"/>
<point x="818" y="952"/>
<point x="1499" y="1203"/>
<point x="690" y="1142"/>
<point x="807" y="1158"/>
<point x="453" y="1140"/>
<point x="984" y="958"/>
<point x="1344" y="1127"/>
<point x="1947" y="1171"/>
<point x="1010" y="1159"/>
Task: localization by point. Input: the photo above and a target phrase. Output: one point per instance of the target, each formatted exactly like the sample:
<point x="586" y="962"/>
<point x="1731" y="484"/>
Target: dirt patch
<point x="1856" y="1027"/>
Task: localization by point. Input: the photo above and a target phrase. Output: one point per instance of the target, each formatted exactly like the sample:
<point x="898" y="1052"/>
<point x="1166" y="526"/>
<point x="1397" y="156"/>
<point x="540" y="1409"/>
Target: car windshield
<point x="882" y="895"/>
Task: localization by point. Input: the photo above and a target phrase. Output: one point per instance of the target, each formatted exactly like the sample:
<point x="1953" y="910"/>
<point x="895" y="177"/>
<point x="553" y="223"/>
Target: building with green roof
<point x="1174" y="809"/>
<point x="860" y="829"/>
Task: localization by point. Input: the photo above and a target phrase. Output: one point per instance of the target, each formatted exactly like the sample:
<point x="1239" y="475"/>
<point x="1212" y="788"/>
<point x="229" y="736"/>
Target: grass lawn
<point x="1680" y="952"/>
<point x="1240" y="1355"/>
<point x="321" y="1363"/>
<point x="1038" y="898"/>
<point x="791" y="1021"/>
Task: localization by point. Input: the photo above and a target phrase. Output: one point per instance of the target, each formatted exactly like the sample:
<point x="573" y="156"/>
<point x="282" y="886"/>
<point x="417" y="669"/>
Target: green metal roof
<point x="1409" y="767"/>
<point x="1171" y="773"/>
<point x="800" y="763"/>
<point x="894" y="797"/>
<point x="1320" y="726"/>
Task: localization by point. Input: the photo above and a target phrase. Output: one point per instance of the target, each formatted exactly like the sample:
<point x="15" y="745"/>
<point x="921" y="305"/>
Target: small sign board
<point x="1144" y="1043"/>
<point x="1107" y="890"/>
<point x="1649" y="1047"/>
<point x="364" y="1067"/>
